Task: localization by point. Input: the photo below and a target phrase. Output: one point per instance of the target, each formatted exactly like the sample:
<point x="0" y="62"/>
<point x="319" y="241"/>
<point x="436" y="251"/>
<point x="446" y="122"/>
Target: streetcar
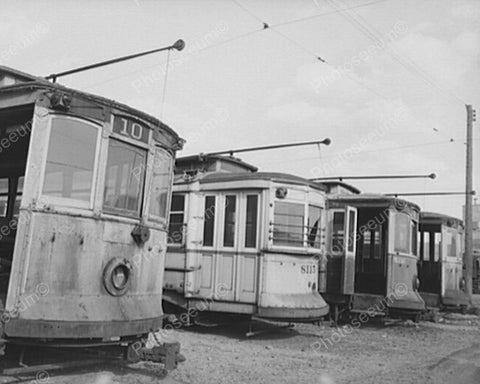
<point x="85" y="188"/>
<point x="244" y="243"/>
<point x="442" y="284"/>
<point x="371" y="256"/>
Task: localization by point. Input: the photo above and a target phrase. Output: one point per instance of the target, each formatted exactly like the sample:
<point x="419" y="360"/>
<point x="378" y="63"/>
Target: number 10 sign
<point x="127" y="127"/>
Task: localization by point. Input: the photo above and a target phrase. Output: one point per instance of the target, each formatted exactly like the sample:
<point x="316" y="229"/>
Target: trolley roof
<point x="345" y="186"/>
<point x="367" y="199"/>
<point x="440" y="218"/>
<point x="198" y="163"/>
<point x="12" y="80"/>
<point x="226" y="177"/>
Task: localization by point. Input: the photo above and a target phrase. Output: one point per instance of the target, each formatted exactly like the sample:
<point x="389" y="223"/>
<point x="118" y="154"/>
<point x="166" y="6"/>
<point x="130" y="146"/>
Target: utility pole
<point x="468" y="257"/>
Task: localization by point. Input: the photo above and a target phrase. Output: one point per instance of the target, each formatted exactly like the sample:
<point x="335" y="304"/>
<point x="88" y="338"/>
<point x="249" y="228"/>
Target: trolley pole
<point x="468" y="257"/>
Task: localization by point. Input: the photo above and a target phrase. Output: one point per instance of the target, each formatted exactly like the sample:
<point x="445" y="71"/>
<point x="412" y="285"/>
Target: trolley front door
<point x="230" y="253"/>
<point x="348" y="270"/>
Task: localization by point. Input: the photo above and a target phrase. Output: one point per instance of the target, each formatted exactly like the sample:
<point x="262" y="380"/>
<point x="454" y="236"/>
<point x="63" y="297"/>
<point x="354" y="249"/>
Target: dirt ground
<point x="443" y="352"/>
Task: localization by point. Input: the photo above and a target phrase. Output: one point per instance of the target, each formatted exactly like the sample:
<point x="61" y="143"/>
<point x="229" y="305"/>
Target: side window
<point x="209" y="221"/>
<point x="426" y="245"/>
<point x="124" y="179"/>
<point x="314" y="226"/>
<point x="451" y="244"/>
<point x="288" y="221"/>
<point x="414" y="241"/>
<point x="366" y="245"/>
<point x="251" y="222"/>
<point x="351" y="231"/>
<point x="70" y="159"/>
<point x="437" y="245"/>
<point x="230" y="221"/>
<point x="3" y="197"/>
<point x="161" y="183"/>
<point x="338" y="232"/>
<point x="177" y="217"/>
<point x="402" y="233"/>
<point x="18" y="196"/>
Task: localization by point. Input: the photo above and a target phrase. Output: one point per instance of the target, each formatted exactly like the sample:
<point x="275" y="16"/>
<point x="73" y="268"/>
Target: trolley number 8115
<point x="308" y="269"/>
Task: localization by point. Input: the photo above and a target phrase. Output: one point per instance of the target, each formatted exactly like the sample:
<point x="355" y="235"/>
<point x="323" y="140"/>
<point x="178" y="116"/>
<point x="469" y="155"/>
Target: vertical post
<point x="468" y="257"/>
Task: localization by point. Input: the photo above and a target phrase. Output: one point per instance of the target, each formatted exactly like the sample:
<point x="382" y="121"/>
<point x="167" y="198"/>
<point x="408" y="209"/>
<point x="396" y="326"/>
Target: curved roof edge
<point x="30" y="81"/>
<point x="375" y="198"/>
<point x="333" y="183"/>
<point x="440" y="217"/>
<point x="218" y="177"/>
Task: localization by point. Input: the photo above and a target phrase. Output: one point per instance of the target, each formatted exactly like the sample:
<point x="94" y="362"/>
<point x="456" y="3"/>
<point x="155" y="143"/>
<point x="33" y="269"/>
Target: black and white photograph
<point x="239" y="191"/>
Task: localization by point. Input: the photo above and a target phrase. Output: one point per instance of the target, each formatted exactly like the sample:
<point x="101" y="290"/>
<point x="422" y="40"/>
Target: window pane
<point x="426" y="246"/>
<point x="414" y="226"/>
<point x="125" y="177"/>
<point x="3" y="197"/>
<point x="351" y="230"/>
<point x="313" y="226"/>
<point x="338" y="232"/>
<point x="70" y="159"/>
<point x="288" y="221"/>
<point x="451" y="244"/>
<point x="377" y="247"/>
<point x="209" y="221"/>
<point x="437" y="240"/>
<point x="366" y="246"/>
<point x="230" y="216"/>
<point x="176" y="225"/>
<point x="402" y="233"/>
<point x="161" y="180"/>
<point x="251" y="222"/>
<point x="18" y="197"/>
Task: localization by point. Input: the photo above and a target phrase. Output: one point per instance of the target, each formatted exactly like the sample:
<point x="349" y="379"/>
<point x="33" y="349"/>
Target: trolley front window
<point x="70" y="161"/>
<point x="161" y="181"/>
<point x="125" y="177"/>
<point x="230" y="220"/>
<point x="338" y="232"/>
<point x="288" y="224"/>
<point x="209" y="221"/>
<point x="251" y="222"/>
<point x="313" y="226"/>
<point x="402" y="233"/>
<point x="177" y="217"/>
<point x="451" y="244"/>
<point x="3" y="197"/>
<point x="18" y="197"/>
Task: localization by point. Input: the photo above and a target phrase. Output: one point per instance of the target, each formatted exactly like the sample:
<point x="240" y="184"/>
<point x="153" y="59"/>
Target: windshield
<point x="297" y="224"/>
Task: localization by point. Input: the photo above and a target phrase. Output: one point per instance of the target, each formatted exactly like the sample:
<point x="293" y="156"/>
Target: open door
<point x="348" y="268"/>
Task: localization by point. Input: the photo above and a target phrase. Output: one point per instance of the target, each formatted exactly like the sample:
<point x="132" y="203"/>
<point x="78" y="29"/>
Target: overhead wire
<point x="244" y="35"/>
<point x="272" y="27"/>
<point x="394" y="148"/>
<point x="375" y="36"/>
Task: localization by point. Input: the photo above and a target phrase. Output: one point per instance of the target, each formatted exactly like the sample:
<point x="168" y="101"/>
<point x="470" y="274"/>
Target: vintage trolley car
<point x="244" y="242"/>
<point x="85" y="186"/>
<point x="372" y="257"/>
<point x="441" y="261"/>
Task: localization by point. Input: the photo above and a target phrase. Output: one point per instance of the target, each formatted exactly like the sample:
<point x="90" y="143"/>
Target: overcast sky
<point x="391" y="93"/>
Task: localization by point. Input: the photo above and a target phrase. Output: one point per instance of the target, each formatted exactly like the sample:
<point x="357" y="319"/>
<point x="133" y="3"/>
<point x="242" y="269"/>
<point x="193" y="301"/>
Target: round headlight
<point x="416" y="283"/>
<point x="117" y="276"/>
<point x="120" y="277"/>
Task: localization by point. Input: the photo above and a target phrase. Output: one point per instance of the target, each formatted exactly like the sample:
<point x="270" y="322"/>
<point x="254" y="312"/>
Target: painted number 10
<point x="130" y="128"/>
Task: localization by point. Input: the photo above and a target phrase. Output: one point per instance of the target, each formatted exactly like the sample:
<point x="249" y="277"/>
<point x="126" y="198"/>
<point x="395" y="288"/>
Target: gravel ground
<point x="444" y="352"/>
